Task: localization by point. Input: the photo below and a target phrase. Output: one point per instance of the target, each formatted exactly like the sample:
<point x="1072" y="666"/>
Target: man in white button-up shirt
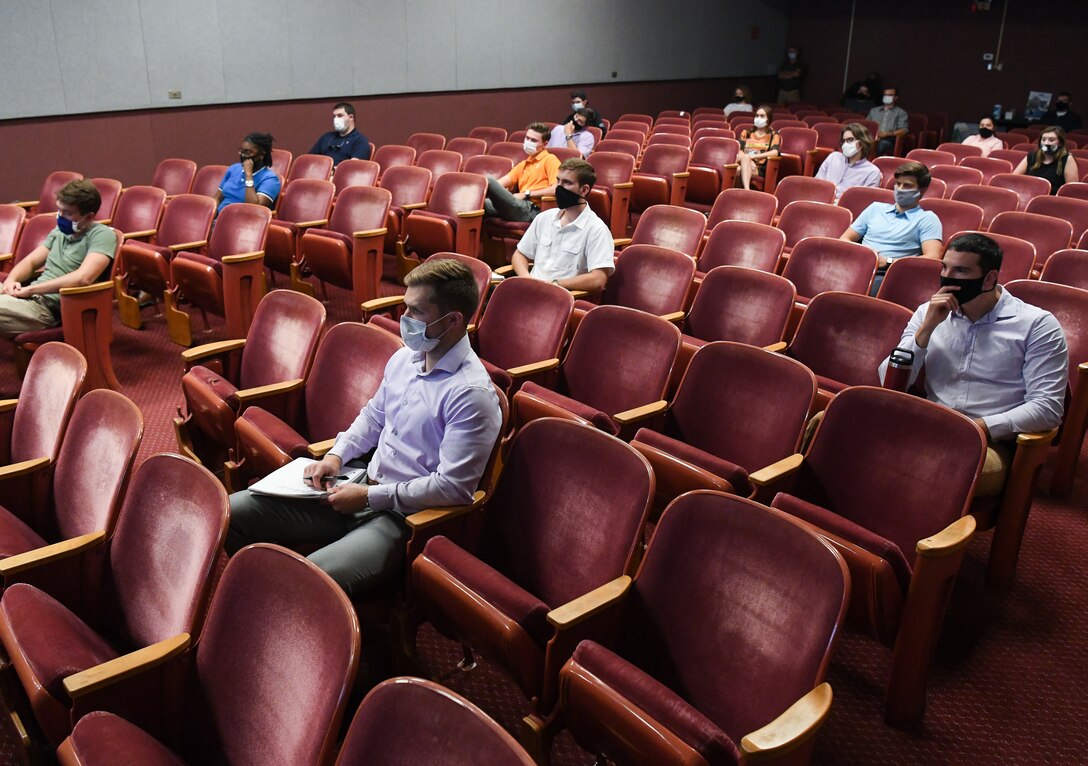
<point x="569" y="244"/>
<point x="986" y="353"/>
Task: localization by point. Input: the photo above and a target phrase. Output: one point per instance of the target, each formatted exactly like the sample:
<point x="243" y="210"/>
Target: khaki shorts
<point x="18" y="315"/>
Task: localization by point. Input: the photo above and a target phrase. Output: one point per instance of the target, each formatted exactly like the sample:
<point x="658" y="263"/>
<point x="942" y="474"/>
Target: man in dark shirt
<point x="578" y="101"/>
<point x="343" y="141"/>
<point x="1061" y="115"/>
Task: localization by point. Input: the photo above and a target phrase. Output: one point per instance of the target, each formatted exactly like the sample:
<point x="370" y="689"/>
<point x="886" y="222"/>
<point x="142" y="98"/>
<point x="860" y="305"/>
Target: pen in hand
<point x="326" y="479"/>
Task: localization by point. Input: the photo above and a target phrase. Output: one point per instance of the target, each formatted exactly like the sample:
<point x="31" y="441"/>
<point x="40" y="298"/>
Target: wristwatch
<point x="249" y="183"/>
<point x="527" y="195"/>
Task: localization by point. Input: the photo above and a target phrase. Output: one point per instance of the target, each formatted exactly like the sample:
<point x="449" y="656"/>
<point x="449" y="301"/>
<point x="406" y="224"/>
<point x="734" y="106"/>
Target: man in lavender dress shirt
<point x="987" y="354"/>
<point x="573" y="134"/>
<point x="431" y="425"/>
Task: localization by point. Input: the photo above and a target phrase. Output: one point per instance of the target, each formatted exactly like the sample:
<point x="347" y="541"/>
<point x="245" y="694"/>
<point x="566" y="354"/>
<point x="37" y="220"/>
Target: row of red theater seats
<point x="262" y="590"/>
<point x="257" y="661"/>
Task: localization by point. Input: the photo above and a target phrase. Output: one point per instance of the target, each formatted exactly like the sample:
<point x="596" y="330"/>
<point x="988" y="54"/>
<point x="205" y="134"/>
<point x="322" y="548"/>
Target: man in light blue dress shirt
<point x="431" y="425"/>
<point x="987" y="354"/>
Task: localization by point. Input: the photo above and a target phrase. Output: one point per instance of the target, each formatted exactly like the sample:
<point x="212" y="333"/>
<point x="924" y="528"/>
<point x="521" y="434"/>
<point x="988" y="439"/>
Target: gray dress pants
<point x="360" y="551"/>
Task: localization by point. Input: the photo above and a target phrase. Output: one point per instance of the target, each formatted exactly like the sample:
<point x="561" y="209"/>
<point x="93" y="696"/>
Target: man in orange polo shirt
<point x="516" y="196"/>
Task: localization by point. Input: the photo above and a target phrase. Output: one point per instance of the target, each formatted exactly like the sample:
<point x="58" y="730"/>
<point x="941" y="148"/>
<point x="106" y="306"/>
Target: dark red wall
<point x="127" y="145"/>
<point x="933" y="50"/>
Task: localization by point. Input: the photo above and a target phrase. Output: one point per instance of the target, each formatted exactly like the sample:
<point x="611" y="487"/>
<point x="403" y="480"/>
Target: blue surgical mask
<point x="66" y="225"/>
<point x="414" y="334"/>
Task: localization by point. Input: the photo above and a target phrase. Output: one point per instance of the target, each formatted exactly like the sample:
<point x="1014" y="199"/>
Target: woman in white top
<point x="985" y="140"/>
<point x="851" y="166"/>
<point x="742" y="101"/>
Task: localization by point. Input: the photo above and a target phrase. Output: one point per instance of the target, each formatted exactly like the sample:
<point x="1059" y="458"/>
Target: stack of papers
<point x="287" y="481"/>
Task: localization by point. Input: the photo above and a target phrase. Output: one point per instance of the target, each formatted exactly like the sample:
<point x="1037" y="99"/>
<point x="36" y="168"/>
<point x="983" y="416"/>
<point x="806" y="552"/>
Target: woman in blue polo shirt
<point x="251" y="179"/>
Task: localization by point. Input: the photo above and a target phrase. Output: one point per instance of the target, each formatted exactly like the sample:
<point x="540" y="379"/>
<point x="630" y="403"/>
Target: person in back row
<point x="901" y="229"/>
<point x="579" y="101"/>
<point x="742" y="101"/>
<point x="569" y="245"/>
<point x="892" y="121"/>
<point x="985" y="140"/>
<point x="251" y="179"/>
<point x="851" y="166"/>
<point x="1051" y="160"/>
<point x="516" y="196"/>
<point x="343" y="142"/>
<point x="76" y="253"/>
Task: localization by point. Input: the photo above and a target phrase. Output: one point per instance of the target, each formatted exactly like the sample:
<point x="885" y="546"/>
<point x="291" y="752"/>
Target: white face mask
<point x="574" y="107"/>
<point x="889" y="100"/>
<point x="414" y="334"/>
<point x="529" y="146"/>
<point x="760" y="122"/>
<point x="339" y="124"/>
<point x="849" y="148"/>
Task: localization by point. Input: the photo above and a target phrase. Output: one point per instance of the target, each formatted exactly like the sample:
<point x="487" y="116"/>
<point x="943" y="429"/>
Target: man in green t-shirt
<point x="74" y="254"/>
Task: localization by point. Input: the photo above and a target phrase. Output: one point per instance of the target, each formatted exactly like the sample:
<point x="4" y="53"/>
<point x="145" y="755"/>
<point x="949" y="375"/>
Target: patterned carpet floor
<point x="1009" y="679"/>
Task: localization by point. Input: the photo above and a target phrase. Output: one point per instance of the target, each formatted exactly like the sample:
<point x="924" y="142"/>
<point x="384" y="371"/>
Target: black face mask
<point x="738" y="99"/>
<point x="985" y="132"/>
<point x="257" y="163"/>
<point x="1049" y="148"/>
<point x="969" y="289"/>
<point x="565" y="198"/>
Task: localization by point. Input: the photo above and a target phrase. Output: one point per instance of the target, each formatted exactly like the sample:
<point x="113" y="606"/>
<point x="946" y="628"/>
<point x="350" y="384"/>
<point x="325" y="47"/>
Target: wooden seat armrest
<point x="414" y="206"/>
<point x="1036" y="440"/>
<point x="579" y="294"/>
<point x="627" y="417"/>
<point x="125" y="666"/>
<point x="471" y="214"/>
<point x="138" y="234"/>
<point x="8" y="405"/>
<point x="318" y="450"/>
<point x="674" y="317"/>
<point x="432" y="517"/>
<point x="382" y="304"/>
<point x="685" y="174"/>
<point x="311" y="224"/>
<point x="621" y="242"/>
<point x="594" y="602"/>
<point x="5" y="257"/>
<point x="777" y="348"/>
<point x="104" y="221"/>
<point x="26" y="204"/>
<point x="506" y="270"/>
<point x="249" y="395"/>
<point x="369" y="233"/>
<point x="193" y="355"/>
<point x="535" y="368"/>
<point x="787" y="466"/>
<point x="21" y="562"/>
<point x="949" y="540"/>
<point x="256" y="255"/>
<point x="23" y="468"/>
<point x="624" y="185"/>
<point x="189" y="245"/>
<point x="97" y="287"/>
<point x="790" y="730"/>
<point x="731" y="166"/>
